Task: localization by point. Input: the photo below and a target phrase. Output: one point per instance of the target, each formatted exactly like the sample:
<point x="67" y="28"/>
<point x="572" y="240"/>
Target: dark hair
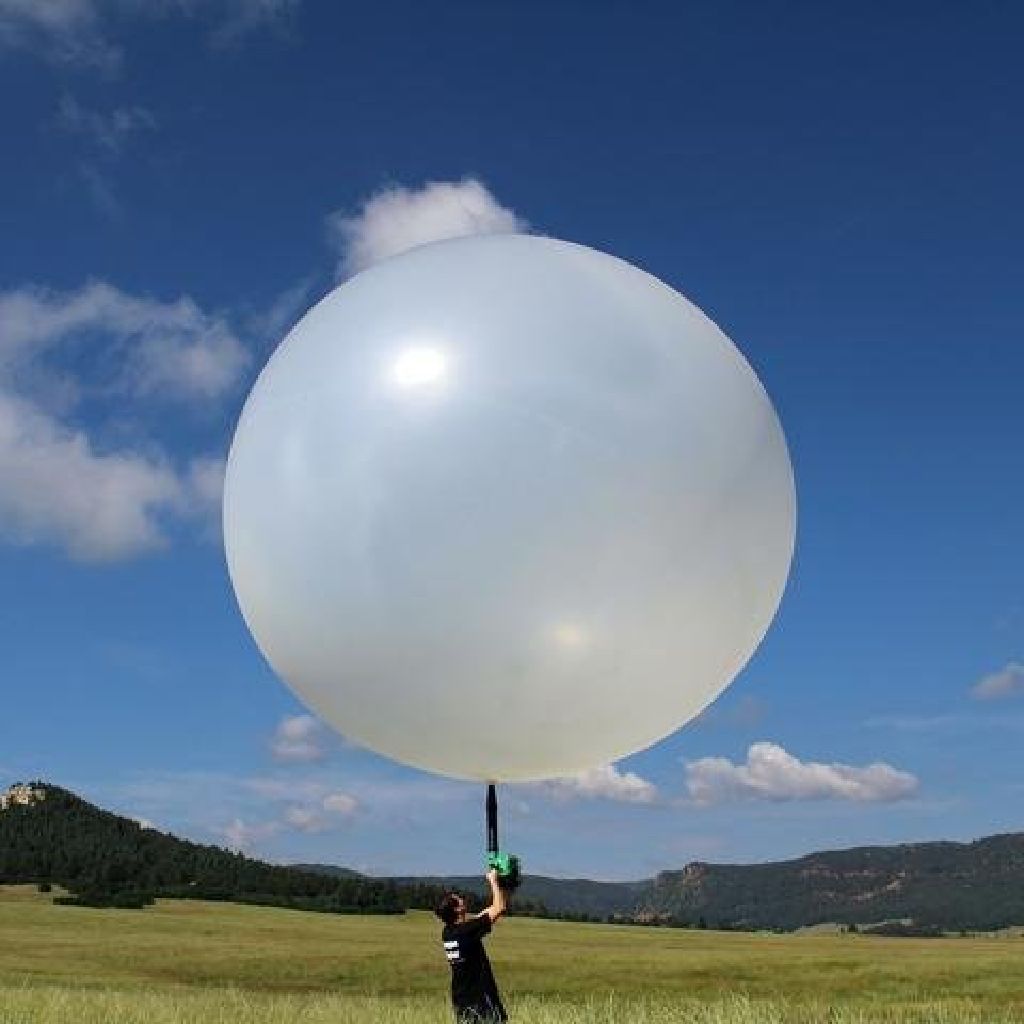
<point x="448" y="908"/>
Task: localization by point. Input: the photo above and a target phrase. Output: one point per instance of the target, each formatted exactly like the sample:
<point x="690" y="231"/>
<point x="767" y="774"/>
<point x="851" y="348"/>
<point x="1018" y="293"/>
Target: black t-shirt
<point x="473" y="988"/>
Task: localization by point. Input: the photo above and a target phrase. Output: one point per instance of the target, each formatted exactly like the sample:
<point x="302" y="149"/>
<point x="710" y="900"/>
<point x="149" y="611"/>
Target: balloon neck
<point x="506" y="864"/>
<point x="491" y="811"/>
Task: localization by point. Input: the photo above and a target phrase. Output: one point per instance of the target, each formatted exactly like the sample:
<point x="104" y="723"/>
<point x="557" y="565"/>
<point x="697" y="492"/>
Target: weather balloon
<point x="506" y="508"/>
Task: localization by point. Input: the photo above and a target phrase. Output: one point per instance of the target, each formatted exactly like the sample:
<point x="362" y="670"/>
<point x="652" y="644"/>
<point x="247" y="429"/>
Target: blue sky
<point x="837" y="187"/>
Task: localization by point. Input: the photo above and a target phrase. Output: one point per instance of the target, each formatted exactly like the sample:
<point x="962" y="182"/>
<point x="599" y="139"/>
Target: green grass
<point x="183" y="962"/>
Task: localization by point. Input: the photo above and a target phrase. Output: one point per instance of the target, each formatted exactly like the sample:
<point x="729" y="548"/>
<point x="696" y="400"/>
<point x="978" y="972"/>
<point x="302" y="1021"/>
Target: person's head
<point x="451" y="909"/>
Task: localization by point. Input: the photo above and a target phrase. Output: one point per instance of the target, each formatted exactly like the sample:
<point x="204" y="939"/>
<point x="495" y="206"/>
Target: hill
<point x="331" y="870"/>
<point x="944" y="885"/>
<point x="48" y="834"/>
<point x="947" y="886"/>
<point x="561" y="897"/>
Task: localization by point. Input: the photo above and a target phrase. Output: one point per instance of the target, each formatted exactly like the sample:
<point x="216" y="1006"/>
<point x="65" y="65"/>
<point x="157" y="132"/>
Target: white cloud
<point x="298" y="738"/>
<point x="201" y="360"/>
<point x="399" y="218"/>
<point x="109" y="132"/>
<point x="241" y="836"/>
<point x="323" y="816"/>
<point x="1007" y="682"/>
<point x="56" y="488"/>
<point x="606" y="783"/>
<point x="771" y="773"/>
<point x="305" y="819"/>
<point x="341" y="803"/>
<point x="58" y="483"/>
<point x="173" y="349"/>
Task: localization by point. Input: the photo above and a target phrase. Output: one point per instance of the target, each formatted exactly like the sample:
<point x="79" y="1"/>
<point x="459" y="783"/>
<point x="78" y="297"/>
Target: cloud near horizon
<point x="772" y="773"/>
<point x="240" y="835"/>
<point x="309" y="806"/>
<point x="397" y="218"/>
<point x="328" y="813"/>
<point x="604" y="783"/>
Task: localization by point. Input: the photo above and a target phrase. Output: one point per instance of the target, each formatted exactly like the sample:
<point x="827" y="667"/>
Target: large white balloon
<point x="506" y="508"/>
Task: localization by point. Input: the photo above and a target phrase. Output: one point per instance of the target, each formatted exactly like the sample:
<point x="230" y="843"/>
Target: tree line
<point x="103" y="859"/>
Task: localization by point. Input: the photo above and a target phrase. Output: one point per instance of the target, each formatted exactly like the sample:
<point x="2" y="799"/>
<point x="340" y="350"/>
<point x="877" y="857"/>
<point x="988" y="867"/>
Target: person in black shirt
<point x="474" y="991"/>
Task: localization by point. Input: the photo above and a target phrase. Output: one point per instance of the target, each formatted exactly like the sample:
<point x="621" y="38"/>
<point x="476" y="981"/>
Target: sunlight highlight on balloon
<point x="419" y="368"/>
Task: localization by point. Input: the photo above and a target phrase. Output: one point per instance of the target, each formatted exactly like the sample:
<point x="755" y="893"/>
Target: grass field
<point x="222" y="964"/>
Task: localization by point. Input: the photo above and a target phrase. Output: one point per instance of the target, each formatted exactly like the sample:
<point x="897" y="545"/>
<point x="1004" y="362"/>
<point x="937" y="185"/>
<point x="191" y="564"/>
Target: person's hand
<point x="492" y="876"/>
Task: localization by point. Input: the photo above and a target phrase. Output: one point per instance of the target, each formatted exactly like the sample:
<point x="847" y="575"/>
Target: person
<point x="475" y="997"/>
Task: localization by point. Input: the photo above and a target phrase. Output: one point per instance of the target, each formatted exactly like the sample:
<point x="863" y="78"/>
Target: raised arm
<point x="497" y="907"/>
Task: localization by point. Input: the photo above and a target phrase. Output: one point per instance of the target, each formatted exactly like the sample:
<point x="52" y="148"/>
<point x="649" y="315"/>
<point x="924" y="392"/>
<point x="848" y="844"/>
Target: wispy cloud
<point x="243" y="811"/>
<point x="104" y="137"/>
<point x="202" y="485"/>
<point x="604" y="783"/>
<point x="108" y="132"/>
<point x="399" y="218"/>
<point x="84" y="33"/>
<point x="948" y="724"/>
<point x="920" y="723"/>
<point x="298" y="738"/>
<point x="1007" y="682"/>
<point x="171" y="348"/>
<point x="62" y="31"/>
<point x="771" y="773"/>
<point x="100" y="188"/>
<point x="270" y="325"/>
<point x="237" y="19"/>
<point x="332" y="810"/>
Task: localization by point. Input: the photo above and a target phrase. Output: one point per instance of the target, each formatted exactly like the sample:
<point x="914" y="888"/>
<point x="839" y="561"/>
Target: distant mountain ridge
<point x="49" y="834"/>
<point x="575" y="897"/>
<point x="942" y="885"/>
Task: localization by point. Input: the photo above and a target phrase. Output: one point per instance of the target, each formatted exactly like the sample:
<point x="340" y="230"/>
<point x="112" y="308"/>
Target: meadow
<point x="183" y="961"/>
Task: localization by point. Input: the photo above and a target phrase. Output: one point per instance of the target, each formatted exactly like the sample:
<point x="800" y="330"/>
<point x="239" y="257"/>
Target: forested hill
<point x="948" y="886"/>
<point x="928" y="886"/>
<point x="48" y="834"/>
<point x="570" y="898"/>
<point x="936" y="886"/>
